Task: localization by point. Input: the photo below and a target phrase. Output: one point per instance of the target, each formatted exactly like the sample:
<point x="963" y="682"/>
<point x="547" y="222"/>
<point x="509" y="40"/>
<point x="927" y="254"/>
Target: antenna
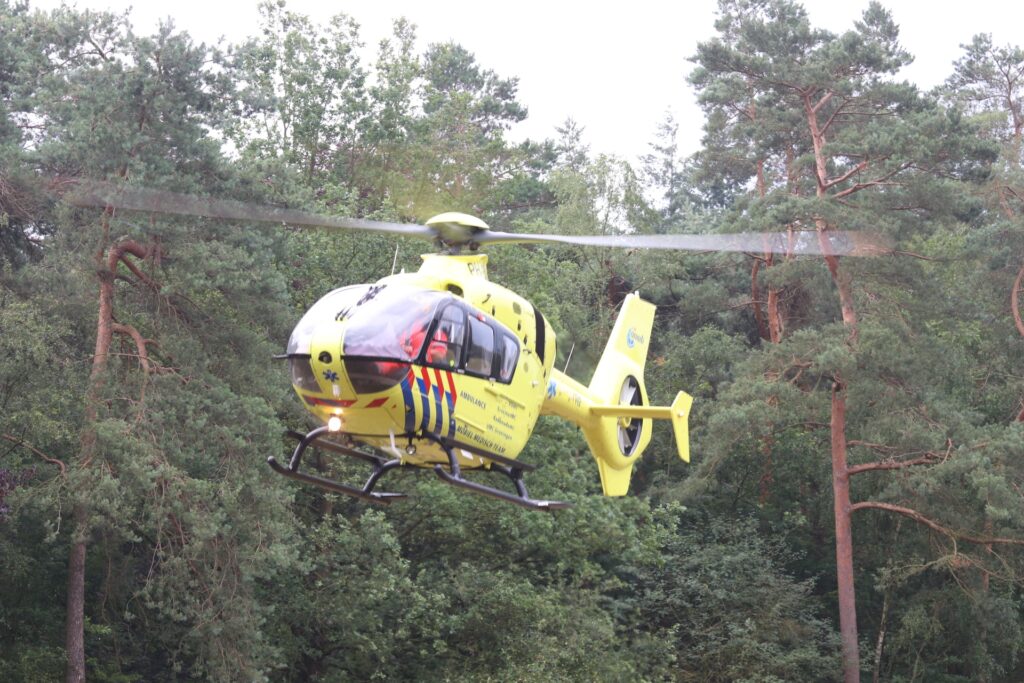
<point x="395" y="261"/>
<point x="571" y="349"/>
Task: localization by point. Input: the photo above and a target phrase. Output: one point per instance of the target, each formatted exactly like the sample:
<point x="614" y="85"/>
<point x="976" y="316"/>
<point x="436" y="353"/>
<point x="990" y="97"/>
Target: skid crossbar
<point x="452" y="474"/>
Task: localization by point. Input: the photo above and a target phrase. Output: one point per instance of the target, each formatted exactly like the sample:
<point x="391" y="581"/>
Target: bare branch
<point x="832" y="118"/>
<point x="119" y="253"/>
<point x="822" y="102"/>
<point x="872" y="183"/>
<point x="53" y="461"/>
<point x="933" y="525"/>
<point x="927" y="459"/>
<point x="918" y="256"/>
<point x="140" y="344"/>
<point x="1015" y="301"/>
<point x="846" y="176"/>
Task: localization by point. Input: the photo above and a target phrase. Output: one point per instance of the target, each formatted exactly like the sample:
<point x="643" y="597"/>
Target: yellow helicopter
<point x="446" y="370"/>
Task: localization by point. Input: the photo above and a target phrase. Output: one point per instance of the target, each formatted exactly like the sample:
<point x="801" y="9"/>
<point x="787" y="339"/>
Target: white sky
<point x="614" y="67"/>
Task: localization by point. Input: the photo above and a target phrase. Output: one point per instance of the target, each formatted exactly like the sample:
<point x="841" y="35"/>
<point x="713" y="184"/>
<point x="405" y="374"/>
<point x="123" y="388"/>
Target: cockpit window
<point x="481" y="348"/>
<point x="389" y="327"/>
<point x="393" y="325"/>
<point x="327" y="308"/>
<point x="445" y="349"/>
<point x="509" y="356"/>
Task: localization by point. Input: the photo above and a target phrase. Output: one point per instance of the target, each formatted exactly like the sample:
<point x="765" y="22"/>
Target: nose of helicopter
<point x="321" y="370"/>
<point x="349" y="393"/>
<point x="356" y="345"/>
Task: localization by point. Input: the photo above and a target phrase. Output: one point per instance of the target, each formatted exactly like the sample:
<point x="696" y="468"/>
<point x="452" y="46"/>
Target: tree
<point x="457" y="153"/>
<point x="302" y="93"/>
<point x="22" y="66"/>
<point x="856" y="149"/>
<point x="139" y="460"/>
<point x="988" y="85"/>
<point x="728" y="610"/>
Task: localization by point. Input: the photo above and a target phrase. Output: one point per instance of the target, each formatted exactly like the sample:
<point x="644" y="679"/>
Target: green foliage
<point x="731" y="614"/>
<point x="203" y="565"/>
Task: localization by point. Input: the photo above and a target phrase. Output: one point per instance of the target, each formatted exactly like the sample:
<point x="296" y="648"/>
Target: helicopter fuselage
<point x="442" y="351"/>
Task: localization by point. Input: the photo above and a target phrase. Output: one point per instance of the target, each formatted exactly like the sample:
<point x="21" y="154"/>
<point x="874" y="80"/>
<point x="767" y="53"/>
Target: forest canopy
<point x="854" y="507"/>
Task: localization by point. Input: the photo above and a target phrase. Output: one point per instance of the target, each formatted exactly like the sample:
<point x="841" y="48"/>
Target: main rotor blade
<point x="798" y="242"/>
<point x="98" y="194"/>
<point x="128" y="198"/>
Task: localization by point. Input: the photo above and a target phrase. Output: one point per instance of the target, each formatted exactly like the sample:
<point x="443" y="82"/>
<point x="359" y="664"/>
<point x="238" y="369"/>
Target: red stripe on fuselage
<point x="451" y="388"/>
<point x="440" y="382"/>
<point x="377" y="402"/>
<point x="316" y="401"/>
<point x="426" y="380"/>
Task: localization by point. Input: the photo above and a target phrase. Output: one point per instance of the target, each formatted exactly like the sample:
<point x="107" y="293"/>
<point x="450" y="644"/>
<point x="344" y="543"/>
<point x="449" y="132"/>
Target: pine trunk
<point x="74" y="641"/>
<point x="844" y="539"/>
<point x="74" y="636"/>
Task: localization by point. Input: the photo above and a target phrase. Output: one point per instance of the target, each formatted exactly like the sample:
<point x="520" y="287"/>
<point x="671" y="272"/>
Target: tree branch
<point x="892" y="464"/>
<point x="832" y="118"/>
<point x="148" y="281"/>
<point x="822" y="102"/>
<point x="846" y="176"/>
<point x="871" y="183"/>
<point x="53" y="461"/>
<point x="140" y="344"/>
<point x="1015" y="301"/>
<point x="120" y="251"/>
<point x="933" y="525"/>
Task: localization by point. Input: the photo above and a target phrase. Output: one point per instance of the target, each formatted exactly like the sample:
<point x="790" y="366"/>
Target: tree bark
<point x="1015" y="301"/>
<point x="74" y="636"/>
<point x="840" y="473"/>
<point x="75" y="626"/>
<point x="843" y="284"/>
<point x="774" y="317"/>
<point x="844" y="538"/>
<point x="755" y="297"/>
<point x="880" y="641"/>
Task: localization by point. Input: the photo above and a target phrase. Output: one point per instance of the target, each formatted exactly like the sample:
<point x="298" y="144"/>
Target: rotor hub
<point x="455" y="229"/>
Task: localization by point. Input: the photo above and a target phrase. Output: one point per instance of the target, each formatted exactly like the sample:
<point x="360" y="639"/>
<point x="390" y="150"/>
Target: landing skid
<point x="452" y="475"/>
<point x="380" y="466"/>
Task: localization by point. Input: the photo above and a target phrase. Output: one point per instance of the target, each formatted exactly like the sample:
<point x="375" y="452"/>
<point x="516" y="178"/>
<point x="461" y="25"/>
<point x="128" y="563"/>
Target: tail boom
<point x="613" y="411"/>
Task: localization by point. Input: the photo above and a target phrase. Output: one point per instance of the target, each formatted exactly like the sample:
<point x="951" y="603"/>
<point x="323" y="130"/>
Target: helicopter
<point x="445" y="370"/>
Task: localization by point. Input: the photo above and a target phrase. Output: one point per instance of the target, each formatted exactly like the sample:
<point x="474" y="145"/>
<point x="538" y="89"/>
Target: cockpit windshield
<point x="329" y="307"/>
<point x="393" y="325"/>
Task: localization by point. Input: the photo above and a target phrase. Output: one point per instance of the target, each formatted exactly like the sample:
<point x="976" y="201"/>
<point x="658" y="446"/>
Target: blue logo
<point x="330" y="375"/>
<point x="633" y="338"/>
<point x="552" y="389"/>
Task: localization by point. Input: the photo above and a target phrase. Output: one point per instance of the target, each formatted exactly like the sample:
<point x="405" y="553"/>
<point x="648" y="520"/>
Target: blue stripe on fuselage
<point x="410" y="409"/>
<point x="437" y="404"/>
<point x="425" y="420"/>
<point x="451" y="414"/>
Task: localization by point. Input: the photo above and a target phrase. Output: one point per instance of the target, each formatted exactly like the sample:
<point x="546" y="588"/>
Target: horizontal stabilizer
<point x="678" y="413"/>
<point x="681" y="424"/>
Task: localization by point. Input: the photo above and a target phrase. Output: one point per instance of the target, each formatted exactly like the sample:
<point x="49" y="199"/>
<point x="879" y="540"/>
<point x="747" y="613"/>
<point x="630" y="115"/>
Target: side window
<point x="445" y="347"/>
<point x="481" y="348"/>
<point x="509" y="356"/>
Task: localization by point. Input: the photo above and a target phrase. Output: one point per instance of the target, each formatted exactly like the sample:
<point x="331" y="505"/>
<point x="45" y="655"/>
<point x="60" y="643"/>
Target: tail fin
<point x="613" y="411"/>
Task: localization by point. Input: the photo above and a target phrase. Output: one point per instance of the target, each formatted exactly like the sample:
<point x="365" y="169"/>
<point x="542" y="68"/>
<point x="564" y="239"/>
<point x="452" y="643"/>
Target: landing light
<point x="334" y="423"/>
